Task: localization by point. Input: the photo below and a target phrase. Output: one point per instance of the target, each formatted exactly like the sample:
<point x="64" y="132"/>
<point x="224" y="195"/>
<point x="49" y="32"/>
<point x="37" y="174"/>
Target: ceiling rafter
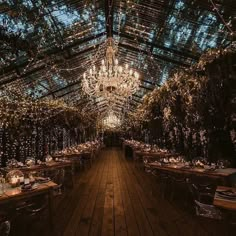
<point x="164" y="58"/>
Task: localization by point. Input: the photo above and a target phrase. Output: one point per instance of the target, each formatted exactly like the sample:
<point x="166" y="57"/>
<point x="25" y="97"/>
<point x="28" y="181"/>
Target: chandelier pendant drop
<point x="111" y="80"/>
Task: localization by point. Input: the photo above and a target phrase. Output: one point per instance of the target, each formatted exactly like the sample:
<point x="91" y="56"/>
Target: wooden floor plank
<point x="148" y="207"/>
<point x="108" y="214"/>
<point x="86" y="217"/>
<point x="119" y="213"/>
<point x="142" y="221"/>
<point x="83" y="200"/>
<point x="96" y="223"/>
<point x="177" y="220"/>
<point x="130" y="217"/>
<point x="157" y="216"/>
<point x="65" y="210"/>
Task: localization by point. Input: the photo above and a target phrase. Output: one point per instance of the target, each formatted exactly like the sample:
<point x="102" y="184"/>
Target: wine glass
<point x="2" y="184"/>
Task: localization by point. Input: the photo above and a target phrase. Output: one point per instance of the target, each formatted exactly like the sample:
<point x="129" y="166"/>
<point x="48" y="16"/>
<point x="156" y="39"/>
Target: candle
<point x="22" y="179"/>
<point x="26" y="181"/>
<point x="14" y="180"/>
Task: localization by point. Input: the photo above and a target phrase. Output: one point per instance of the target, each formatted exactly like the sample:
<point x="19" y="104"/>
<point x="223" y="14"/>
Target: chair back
<point x="208" y="211"/>
<point x="5" y="228"/>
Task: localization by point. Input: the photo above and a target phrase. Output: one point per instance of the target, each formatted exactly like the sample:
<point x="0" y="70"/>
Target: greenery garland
<point x="187" y="84"/>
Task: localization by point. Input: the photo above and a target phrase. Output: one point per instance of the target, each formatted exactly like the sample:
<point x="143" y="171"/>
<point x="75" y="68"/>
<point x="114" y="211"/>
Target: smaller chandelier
<point x="111" y="80"/>
<point x="111" y="121"/>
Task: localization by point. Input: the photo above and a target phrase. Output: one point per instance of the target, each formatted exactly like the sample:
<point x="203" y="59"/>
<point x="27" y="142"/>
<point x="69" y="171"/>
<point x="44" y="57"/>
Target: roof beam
<point x="152" y="45"/>
<point x="41" y="67"/>
<point x="50" y="52"/>
<point x="163" y="58"/>
<point x="109" y="10"/>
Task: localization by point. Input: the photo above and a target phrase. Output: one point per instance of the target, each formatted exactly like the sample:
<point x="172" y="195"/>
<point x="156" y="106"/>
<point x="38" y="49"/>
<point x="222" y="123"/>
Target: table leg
<point x="51" y="210"/>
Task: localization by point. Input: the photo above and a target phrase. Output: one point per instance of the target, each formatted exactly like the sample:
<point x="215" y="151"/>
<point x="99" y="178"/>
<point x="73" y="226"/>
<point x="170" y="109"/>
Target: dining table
<point x="47" y="166"/>
<point x="77" y="156"/>
<point x="11" y="196"/>
<point x="225" y="176"/>
<point x="139" y="150"/>
<point x="225" y="198"/>
<point x="139" y="155"/>
<point x="53" y="166"/>
<point x="129" y="148"/>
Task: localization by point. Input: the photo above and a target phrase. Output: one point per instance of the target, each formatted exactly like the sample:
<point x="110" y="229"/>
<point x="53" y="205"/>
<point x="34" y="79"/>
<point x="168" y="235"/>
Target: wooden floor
<point x="113" y="197"/>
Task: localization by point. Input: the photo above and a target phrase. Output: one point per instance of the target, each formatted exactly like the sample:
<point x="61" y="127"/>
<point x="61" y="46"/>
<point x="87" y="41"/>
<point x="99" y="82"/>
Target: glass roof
<point x="46" y="46"/>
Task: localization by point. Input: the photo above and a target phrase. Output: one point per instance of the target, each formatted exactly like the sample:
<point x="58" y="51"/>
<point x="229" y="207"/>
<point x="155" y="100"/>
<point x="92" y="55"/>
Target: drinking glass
<point x="2" y="185"/>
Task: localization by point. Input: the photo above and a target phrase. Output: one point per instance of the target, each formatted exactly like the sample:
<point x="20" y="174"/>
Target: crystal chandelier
<point x="111" y="121"/>
<point x="111" y="80"/>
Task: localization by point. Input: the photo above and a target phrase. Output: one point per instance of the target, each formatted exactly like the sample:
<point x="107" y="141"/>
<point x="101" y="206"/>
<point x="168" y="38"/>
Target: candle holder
<point x="15" y="178"/>
<point x="48" y="158"/>
<point x="30" y="161"/>
<point x="2" y="183"/>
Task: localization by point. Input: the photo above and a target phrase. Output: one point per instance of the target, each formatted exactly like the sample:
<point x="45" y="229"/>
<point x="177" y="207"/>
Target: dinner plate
<point x="185" y="167"/>
<point x="227" y="194"/>
<point x="29" y="189"/>
<point x="42" y="180"/>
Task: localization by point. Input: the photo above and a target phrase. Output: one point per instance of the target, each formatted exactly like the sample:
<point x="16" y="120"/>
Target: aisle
<point x="115" y="198"/>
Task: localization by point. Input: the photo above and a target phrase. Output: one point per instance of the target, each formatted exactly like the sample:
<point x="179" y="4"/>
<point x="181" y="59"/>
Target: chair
<point x="59" y="178"/>
<point x="156" y="174"/>
<point x="179" y="188"/>
<point x="30" y="213"/>
<point x="204" y="188"/>
<point x="86" y="160"/>
<point x="163" y="180"/>
<point x="5" y="225"/>
<point x="203" y="207"/>
<point x="202" y="203"/>
<point x="207" y="210"/>
<point x="146" y="162"/>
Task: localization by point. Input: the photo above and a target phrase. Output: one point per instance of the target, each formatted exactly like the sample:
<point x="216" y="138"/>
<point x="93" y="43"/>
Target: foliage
<point x="194" y="104"/>
<point x="21" y="111"/>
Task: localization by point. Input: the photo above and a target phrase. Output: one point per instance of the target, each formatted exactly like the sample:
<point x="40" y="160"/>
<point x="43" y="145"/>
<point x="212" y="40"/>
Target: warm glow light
<point x="111" y="80"/>
<point x="111" y="121"/>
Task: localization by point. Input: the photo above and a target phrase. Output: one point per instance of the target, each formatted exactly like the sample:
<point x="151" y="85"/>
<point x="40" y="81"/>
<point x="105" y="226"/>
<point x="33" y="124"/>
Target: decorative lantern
<point x="30" y="161"/>
<point x="48" y="158"/>
<point x="15" y="178"/>
<point x="12" y="163"/>
<point x="2" y="183"/>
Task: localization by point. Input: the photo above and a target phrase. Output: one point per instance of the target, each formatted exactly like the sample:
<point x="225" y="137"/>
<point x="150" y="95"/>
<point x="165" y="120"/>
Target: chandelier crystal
<point x="111" y="80"/>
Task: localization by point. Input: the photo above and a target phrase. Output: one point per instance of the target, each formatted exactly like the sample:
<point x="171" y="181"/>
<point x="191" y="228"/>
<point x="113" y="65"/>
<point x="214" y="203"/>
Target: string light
<point x="144" y="112"/>
<point x="227" y="25"/>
